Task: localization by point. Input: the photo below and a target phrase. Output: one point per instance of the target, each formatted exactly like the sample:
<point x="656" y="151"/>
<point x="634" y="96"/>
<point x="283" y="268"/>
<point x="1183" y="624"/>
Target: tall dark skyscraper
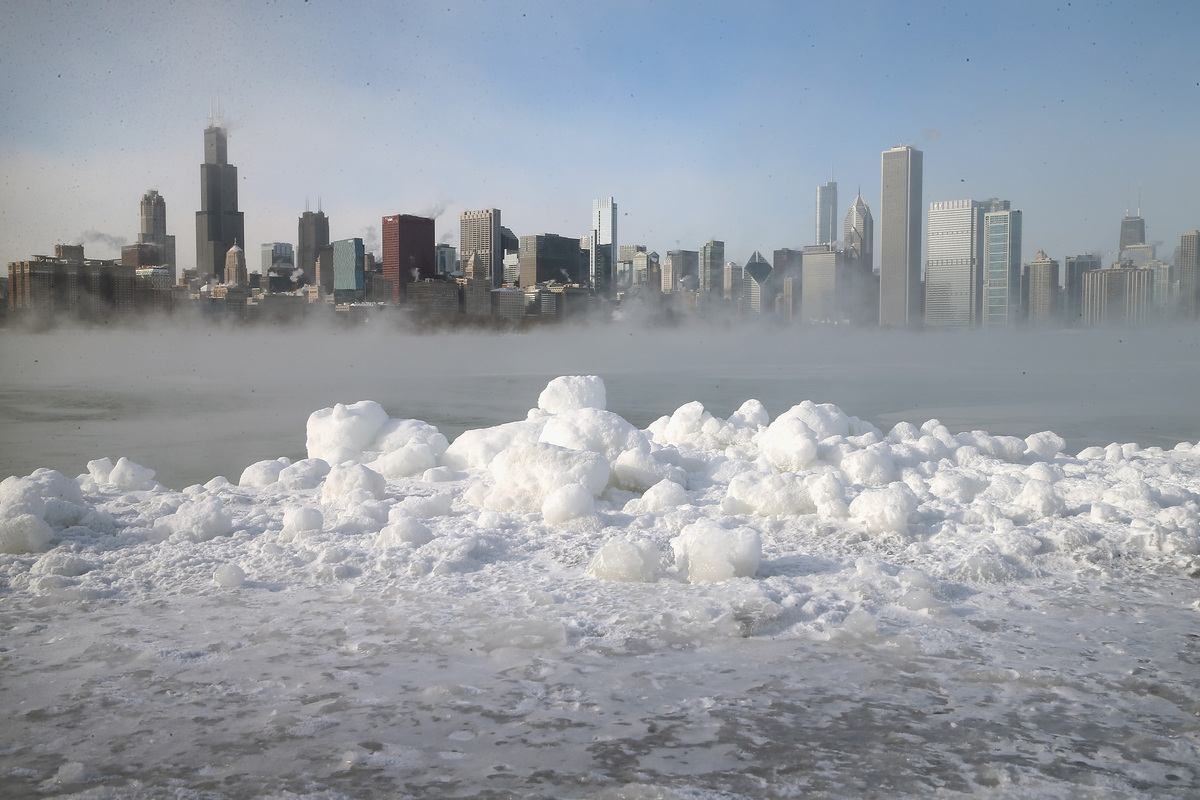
<point x="312" y="235"/>
<point x="1133" y="230"/>
<point x="1189" y="274"/>
<point x="219" y="224"/>
<point x="900" y="238"/>
<point x="408" y="251"/>
<point x="827" y="213"/>
<point x="154" y="230"/>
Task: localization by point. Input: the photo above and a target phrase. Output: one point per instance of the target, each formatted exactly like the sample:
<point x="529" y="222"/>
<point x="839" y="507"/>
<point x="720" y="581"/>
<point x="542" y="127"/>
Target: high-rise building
<point x="549" y="257"/>
<point x="604" y="247"/>
<point x="827" y="213"/>
<point x="1133" y="231"/>
<point x="1001" y="264"/>
<point x="446" y="256"/>
<point x="235" y="268"/>
<point x="953" y="252"/>
<point x="711" y="267"/>
<point x="821" y="284"/>
<point x="758" y="294"/>
<point x="1139" y="254"/>
<point x="733" y="281"/>
<point x="1041" y="280"/>
<point x="154" y="230"/>
<point x="679" y="270"/>
<point x="787" y="263"/>
<point x="1118" y="296"/>
<point x="900" y="237"/>
<point x="219" y="224"/>
<point x="479" y="233"/>
<point x="312" y="234"/>
<point x="349" y="281"/>
<point x="1074" y="267"/>
<point x="1188" y="269"/>
<point x="275" y="255"/>
<point x="862" y="287"/>
<point x="409" y="251"/>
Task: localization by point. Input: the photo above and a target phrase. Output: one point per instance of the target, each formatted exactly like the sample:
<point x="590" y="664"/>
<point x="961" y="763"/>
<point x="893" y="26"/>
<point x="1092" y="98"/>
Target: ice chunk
<point x="573" y="391"/>
<point x="263" y="473"/>
<point x="346" y="483"/>
<point x="475" y="449"/>
<point x="411" y="459"/>
<point x="405" y="530"/>
<point x="707" y="553"/>
<point x="341" y="433"/>
<point x="885" y="510"/>
<point x="1045" y="444"/>
<point x="871" y="467"/>
<point x="788" y="444"/>
<point x="129" y="475"/>
<point x="524" y="476"/>
<point x="400" y="433"/>
<point x="824" y="419"/>
<point x="751" y="414"/>
<point x="638" y="470"/>
<point x="304" y="474"/>
<point x="302" y="520"/>
<point x="229" y="576"/>
<point x="198" y="520"/>
<point x="786" y="494"/>
<point x="23" y="533"/>
<point x="567" y="503"/>
<point x="662" y="495"/>
<point x="593" y="429"/>
<point x="626" y="561"/>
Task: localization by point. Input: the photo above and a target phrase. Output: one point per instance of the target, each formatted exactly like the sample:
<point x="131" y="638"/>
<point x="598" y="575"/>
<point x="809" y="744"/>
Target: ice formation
<point x="574" y="531"/>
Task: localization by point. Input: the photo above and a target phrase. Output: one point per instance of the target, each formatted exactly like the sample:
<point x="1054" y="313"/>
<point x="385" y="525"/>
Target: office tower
<point x="647" y="273"/>
<point x="275" y="255"/>
<point x="604" y="248"/>
<point x="628" y="251"/>
<point x="900" y="237"/>
<point x="549" y="257"/>
<point x="1133" y="231"/>
<point x="479" y="233"/>
<point x="1165" y="282"/>
<point x="1001" y="264"/>
<point x="787" y="263"/>
<point x="679" y="270"/>
<point x="827" y="213"/>
<point x="859" y="237"/>
<point x="1188" y="269"/>
<point x="219" y="224"/>
<point x="1041" y="281"/>
<point x="733" y="281"/>
<point x="154" y="230"/>
<point x="1118" y="296"/>
<point x="311" y="236"/>
<point x="821" y="284"/>
<point x="758" y="295"/>
<point x="953" y="251"/>
<point x="1139" y="254"/>
<point x="235" y="268"/>
<point x="710" y="267"/>
<point x="409" y="251"/>
<point x="323" y="272"/>
<point x="141" y="255"/>
<point x="349" y="280"/>
<point x="1074" y="267"/>
<point x="446" y="256"/>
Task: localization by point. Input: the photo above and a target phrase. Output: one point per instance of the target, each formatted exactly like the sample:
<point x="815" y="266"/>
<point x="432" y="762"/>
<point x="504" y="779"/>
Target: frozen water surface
<point x="785" y="602"/>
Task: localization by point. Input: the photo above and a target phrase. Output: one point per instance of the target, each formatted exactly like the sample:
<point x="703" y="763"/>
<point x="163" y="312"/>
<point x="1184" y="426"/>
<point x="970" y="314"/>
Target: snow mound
<point x="705" y="552"/>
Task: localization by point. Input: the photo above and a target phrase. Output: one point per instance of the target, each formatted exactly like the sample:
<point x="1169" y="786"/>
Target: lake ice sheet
<point x="568" y="606"/>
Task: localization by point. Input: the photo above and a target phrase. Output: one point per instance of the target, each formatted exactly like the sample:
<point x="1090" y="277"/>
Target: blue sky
<point x="703" y="120"/>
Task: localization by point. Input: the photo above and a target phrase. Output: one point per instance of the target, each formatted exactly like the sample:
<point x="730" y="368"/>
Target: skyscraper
<point x="604" y="247"/>
<point x="859" y="236"/>
<point x="1189" y="274"/>
<point x="900" y="237"/>
<point x="1001" y="264"/>
<point x="1041" y="278"/>
<point x="154" y="230"/>
<point x="758" y="295"/>
<point x="349" y="280"/>
<point x="1073" y="301"/>
<point x="311" y="236"/>
<point x="827" y="213"/>
<point x="1133" y="231"/>
<point x="952" y="258"/>
<point x="479" y="233"/>
<point x="219" y="224"/>
<point x="409" y="251"/>
<point x="712" y="267"/>
<point x="549" y="257"/>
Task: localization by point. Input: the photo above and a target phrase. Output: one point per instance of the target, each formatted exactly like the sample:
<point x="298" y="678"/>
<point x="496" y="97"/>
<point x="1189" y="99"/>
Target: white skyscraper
<point x="953" y="253"/>
<point x="900" y="237"/>
<point x="827" y="222"/>
<point x="603" y="258"/>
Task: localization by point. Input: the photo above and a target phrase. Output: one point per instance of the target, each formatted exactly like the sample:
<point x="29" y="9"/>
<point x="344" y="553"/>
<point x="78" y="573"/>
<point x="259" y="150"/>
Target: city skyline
<point x="393" y="131"/>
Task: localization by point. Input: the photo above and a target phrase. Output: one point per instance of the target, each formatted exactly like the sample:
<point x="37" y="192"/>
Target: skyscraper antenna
<point x="217" y="121"/>
<point x="306" y="205"/>
<point x="1139" y="199"/>
<point x="319" y="204"/>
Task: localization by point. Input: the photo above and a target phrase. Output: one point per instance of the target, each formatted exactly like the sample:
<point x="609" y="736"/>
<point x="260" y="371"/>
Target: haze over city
<point x="710" y="121"/>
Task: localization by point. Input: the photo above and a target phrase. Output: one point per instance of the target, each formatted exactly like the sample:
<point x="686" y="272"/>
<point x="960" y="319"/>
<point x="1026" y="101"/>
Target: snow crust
<point x="572" y="531"/>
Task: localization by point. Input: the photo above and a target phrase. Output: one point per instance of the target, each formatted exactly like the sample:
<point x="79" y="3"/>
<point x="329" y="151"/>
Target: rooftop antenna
<point x="319" y="204"/>
<point x="210" y="112"/>
<point x="306" y="205"/>
<point x="217" y="121"/>
<point x="1139" y="199"/>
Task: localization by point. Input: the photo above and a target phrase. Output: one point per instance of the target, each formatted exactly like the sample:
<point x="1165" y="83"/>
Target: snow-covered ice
<point x="567" y="606"/>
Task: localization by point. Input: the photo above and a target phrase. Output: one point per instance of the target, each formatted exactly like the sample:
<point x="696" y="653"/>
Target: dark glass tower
<point x="219" y="224"/>
<point x="312" y="234"/>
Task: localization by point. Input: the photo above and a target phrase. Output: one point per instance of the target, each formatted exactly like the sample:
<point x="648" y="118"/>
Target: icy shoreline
<point x="740" y="607"/>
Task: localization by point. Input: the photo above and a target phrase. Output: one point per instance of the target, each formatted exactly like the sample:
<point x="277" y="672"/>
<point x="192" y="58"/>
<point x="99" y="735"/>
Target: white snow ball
<point x="904" y="432"/>
<point x="788" y="444"/>
<point x="638" y="470"/>
<point x="662" y="495"/>
<point x="625" y="561"/>
<point x="823" y="419"/>
<point x="99" y="470"/>
<point x="344" y="479"/>
<point x="263" y="473"/>
<point x="411" y="459"/>
<point x="751" y="414"/>
<point x="229" y="576"/>
<point x="475" y="449"/>
<point x="1045" y="444"/>
<point x="334" y="433"/>
<point x="567" y="503"/>
<point x="23" y="533"/>
<point x="1040" y="498"/>
<point x="302" y="520"/>
<point x="129" y="475"/>
<point x="304" y="474"/>
<point x="870" y="467"/>
<point x="404" y="530"/>
<point x="398" y="433"/>
<point x="768" y="494"/>
<point x="219" y="482"/>
<point x="52" y="484"/>
<point x="957" y="485"/>
<point x="593" y="429"/>
<point x="573" y="391"/>
<point x="885" y="510"/>
<point x="685" y="425"/>
<point x="198" y="520"/>
<point x="524" y="476"/>
<point x="707" y="553"/>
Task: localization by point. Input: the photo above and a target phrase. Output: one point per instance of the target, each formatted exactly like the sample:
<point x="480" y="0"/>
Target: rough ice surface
<point x="568" y="606"/>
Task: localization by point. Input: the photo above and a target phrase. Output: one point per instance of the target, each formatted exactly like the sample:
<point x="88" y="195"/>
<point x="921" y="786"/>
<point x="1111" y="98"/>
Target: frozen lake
<point x="600" y="605"/>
